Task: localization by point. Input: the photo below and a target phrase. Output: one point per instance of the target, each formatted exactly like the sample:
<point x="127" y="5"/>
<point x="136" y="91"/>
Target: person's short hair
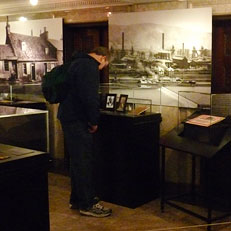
<point x="101" y="51"/>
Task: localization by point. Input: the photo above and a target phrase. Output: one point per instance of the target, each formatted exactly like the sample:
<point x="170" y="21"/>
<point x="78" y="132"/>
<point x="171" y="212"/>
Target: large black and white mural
<point x="171" y="48"/>
<point x="29" y="49"/>
<point x="168" y="45"/>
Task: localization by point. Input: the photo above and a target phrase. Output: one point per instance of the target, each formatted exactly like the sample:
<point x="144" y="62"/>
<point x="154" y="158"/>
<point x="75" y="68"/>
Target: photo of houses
<point x="29" y="49"/>
<point x="170" y="46"/>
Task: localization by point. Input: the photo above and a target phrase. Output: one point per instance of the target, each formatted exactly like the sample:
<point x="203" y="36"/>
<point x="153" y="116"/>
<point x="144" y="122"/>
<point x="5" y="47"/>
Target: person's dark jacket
<point x="82" y="101"/>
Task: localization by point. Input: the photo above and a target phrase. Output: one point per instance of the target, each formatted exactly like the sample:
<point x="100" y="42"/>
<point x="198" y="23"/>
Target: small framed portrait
<point x="110" y="102"/>
<point x="122" y="103"/>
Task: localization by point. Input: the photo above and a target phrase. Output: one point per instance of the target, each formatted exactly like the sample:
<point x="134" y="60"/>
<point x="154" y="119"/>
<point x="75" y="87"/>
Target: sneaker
<point x="97" y="210"/>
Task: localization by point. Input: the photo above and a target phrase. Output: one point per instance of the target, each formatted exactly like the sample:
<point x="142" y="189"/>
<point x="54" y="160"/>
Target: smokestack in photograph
<point x="122" y="41"/>
<point x="162" y="41"/>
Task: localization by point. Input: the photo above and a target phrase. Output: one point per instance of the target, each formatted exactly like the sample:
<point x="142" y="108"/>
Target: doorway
<point x="84" y="37"/>
<point x="33" y="77"/>
<point x="221" y="55"/>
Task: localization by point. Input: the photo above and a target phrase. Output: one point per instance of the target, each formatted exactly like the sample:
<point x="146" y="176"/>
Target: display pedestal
<point x="128" y="158"/>
<point x="24" y="189"/>
<point x="207" y="152"/>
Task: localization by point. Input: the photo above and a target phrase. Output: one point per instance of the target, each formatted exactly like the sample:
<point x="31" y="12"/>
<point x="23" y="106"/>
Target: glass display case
<point x="190" y="103"/>
<point x="130" y="100"/>
<point x="22" y="95"/>
<point x="203" y="117"/>
<point x="19" y="92"/>
<point x="24" y="127"/>
<point x="215" y="105"/>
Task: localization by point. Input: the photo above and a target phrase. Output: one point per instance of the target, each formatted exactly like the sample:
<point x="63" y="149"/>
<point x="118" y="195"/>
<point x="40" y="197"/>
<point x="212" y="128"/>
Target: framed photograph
<point x="110" y="102"/>
<point x="122" y="103"/>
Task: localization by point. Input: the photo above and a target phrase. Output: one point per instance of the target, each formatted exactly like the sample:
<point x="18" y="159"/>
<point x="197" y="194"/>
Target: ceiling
<point x="14" y="7"/>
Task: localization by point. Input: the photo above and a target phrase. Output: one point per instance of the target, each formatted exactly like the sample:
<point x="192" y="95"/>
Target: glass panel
<point x="140" y="99"/>
<point x="24" y="127"/>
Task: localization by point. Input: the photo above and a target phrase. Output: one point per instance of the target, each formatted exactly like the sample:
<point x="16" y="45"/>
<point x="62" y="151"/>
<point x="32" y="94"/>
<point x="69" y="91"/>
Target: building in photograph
<point x="26" y="58"/>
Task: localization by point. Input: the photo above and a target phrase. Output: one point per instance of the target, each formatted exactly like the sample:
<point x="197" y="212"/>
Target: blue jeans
<point x="79" y="144"/>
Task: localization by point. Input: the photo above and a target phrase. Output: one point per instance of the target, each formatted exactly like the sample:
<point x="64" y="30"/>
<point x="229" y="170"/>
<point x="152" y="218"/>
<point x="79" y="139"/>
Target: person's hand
<point x="103" y="62"/>
<point x="92" y="128"/>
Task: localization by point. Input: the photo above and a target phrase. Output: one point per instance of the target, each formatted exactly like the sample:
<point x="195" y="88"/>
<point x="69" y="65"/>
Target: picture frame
<point x="110" y="102"/>
<point x="122" y="103"/>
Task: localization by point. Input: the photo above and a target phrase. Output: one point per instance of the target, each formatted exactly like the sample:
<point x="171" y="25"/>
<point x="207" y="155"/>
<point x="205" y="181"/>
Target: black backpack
<point x="55" y="85"/>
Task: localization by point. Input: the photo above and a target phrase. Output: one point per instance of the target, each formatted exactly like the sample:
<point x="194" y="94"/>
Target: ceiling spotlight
<point x="22" y="19"/>
<point x="33" y="2"/>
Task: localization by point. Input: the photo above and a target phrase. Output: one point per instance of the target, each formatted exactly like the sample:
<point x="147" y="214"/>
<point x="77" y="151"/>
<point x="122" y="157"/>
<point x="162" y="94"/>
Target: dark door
<point x="84" y="37"/>
<point x="221" y="73"/>
<point x="15" y="70"/>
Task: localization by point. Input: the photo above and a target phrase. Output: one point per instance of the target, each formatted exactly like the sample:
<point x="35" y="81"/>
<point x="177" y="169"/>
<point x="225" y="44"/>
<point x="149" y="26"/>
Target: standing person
<point x="79" y="115"/>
